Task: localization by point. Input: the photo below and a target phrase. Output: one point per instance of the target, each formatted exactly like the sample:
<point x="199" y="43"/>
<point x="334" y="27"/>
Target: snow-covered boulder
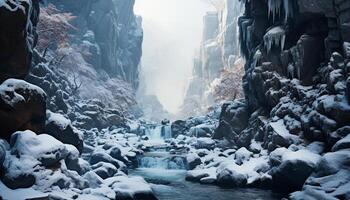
<point x="230" y="174"/>
<point x="60" y="128"/>
<point x="22" y="107"/>
<point x="93" y="179"/>
<point x="100" y="156"/>
<point x="193" y="160"/>
<point x="242" y="155"/>
<point x="17" y="174"/>
<point x="294" y="169"/>
<point x="74" y="162"/>
<point x="331" y="179"/>
<point x="44" y="148"/>
<point x="131" y="188"/>
<point x="204" y="143"/>
<point x="202" y="175"/>
<point x="104" y="170"/>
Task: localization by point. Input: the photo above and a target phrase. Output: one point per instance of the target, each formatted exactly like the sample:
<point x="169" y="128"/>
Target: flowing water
<point x="166" y="173"/>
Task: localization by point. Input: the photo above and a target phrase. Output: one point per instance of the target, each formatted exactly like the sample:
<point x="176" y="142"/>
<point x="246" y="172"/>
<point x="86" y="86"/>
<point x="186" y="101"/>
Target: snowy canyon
<point x="265" y="114"/>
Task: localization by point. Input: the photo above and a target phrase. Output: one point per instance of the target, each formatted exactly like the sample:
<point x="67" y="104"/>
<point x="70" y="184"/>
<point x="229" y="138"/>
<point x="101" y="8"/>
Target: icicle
<point x="274" y="7"/>
<point x="275" y="37"/>
<point x="288" y="9"/>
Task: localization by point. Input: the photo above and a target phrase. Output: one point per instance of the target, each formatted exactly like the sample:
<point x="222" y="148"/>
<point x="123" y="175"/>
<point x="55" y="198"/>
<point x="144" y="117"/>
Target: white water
<point x="158" y="134"/>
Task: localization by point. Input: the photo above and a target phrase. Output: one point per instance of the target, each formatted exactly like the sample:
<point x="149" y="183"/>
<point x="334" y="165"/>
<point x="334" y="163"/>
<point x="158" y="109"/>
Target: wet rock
<point x="22" y="107"/>
<point x="60" y="128"/>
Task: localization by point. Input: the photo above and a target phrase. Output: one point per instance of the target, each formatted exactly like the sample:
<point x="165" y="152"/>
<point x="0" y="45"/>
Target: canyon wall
<point x="116" y="31"/>
<point x="296" y="87"/>
<point x="217" y="69"/>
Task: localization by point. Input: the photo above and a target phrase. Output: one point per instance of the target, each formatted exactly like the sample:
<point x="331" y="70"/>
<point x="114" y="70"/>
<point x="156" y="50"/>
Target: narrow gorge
<point x="260" y="110"/>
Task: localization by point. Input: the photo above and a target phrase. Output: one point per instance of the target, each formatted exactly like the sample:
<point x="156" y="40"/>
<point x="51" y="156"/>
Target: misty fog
<point x="172" y="32"/>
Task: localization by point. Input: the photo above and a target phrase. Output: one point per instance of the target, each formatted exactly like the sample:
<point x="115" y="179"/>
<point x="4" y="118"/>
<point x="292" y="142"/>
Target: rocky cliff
<point x="116" y="31"/>
<point x="217" y="67"/>
<point x="55" y="86"/>
<point x="87" y="60"/>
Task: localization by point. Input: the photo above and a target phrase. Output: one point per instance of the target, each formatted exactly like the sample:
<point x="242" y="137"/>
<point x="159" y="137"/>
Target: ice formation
<point x="275" y="37"/>
<point x="275" y="6"/>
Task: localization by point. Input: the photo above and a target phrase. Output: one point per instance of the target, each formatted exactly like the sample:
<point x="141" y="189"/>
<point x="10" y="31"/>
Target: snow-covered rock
<point x="202" y="175"/>
<point x="60" y="128"/>
<point x="294" y="169"/>
<point x="22" y="106"/>
<point x="204" y="142"/>
<point x="104" y="170"/>
<point x="100" y="156"/>
<point x="242" y="155"/>
<point x="229" y="174"/>
<point x="193" y="160"/>
<point x="331" y="179"/>
<point x="131" y="188"/>
<point x="44" y="148"/>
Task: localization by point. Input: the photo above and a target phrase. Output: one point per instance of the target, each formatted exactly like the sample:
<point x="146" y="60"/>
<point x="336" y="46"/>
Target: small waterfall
<point x="158" y="162"/>
<point x="166" y="132"/>
<point x="157" y="134"/>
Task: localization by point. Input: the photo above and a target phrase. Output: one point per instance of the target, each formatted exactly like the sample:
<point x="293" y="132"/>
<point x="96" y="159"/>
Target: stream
<point x="166" y="173"/>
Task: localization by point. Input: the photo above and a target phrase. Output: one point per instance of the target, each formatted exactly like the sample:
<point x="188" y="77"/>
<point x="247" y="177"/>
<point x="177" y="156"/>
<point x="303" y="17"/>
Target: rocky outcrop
<point x="22" y="107"/>
<point x="112" y="29"/>
<point x="17" y="42"/>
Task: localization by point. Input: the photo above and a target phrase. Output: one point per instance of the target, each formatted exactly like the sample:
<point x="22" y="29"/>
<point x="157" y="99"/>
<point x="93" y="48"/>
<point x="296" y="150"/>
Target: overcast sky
<point x="172" y="33"/>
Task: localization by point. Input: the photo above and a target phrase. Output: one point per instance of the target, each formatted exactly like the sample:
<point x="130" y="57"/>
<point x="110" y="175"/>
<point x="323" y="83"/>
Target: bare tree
<point x="77" y="84"/>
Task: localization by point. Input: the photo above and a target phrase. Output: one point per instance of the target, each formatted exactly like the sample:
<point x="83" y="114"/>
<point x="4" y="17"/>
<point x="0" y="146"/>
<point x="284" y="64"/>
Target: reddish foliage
<point x="229" y="85"/>
<point x="53" y="28"/>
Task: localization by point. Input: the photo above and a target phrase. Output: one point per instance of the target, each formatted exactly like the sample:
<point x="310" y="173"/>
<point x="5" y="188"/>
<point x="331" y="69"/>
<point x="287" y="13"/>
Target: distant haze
<point x="172" y="33"/>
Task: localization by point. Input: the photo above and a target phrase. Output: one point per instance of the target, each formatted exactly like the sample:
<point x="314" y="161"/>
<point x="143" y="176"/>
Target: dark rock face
<point x="17" y="42"/>
<point x="233" y="120"/>
<point x="22" y="107"/>
<point x="178" y="127"/>
<point x="117" y="33"/>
